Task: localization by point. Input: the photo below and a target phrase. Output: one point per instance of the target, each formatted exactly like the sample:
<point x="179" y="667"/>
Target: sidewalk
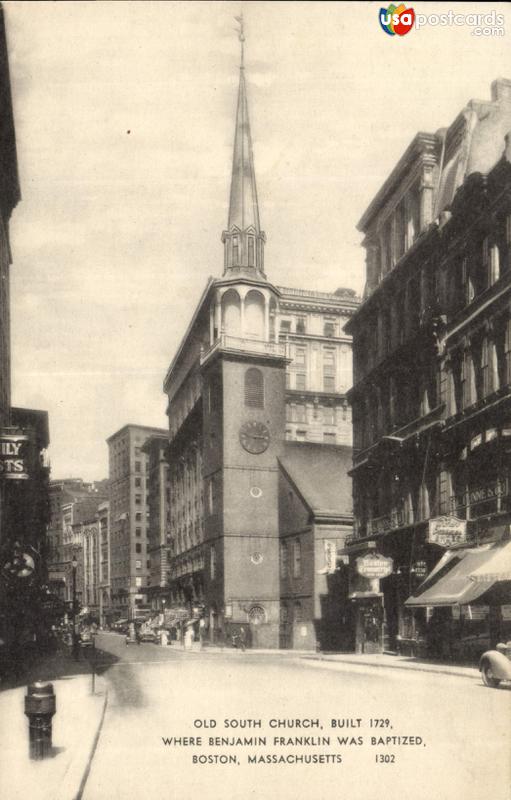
<point x="386" y="660"/>
<point x="76" y="727"/>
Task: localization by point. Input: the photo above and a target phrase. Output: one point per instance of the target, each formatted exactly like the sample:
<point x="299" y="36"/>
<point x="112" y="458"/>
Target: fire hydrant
<point x="40" y="706"/>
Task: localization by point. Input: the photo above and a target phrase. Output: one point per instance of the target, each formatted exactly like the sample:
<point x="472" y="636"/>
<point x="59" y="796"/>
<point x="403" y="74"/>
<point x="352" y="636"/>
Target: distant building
<point x="128" y="483"/>
<point x="158" y="524"/>
<point x="72" y="500"/>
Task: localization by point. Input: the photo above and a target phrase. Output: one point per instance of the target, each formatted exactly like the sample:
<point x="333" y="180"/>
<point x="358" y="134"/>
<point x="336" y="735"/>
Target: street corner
<point x="68" y="747"/>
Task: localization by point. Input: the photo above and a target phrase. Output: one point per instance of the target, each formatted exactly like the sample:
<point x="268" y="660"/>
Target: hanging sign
<point x="13" y="456"/>
<point x="374" y="565"/>
<point x="446" y="531"/>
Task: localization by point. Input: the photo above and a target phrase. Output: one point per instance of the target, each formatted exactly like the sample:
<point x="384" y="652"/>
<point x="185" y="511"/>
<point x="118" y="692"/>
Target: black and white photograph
<point x="255" y="400"/>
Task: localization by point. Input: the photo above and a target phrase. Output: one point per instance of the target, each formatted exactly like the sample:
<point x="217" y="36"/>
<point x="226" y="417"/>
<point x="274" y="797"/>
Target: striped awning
<point x="464" y="576"/>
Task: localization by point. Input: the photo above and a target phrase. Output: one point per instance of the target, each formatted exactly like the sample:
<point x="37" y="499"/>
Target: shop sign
<point x="482" y="494"/>
<point x="420" y="569"/>
<point x="396" y="519"/>
<point x="446" y="531"/>
<point x="374" y="565"/>
<point x="14" y="456"/>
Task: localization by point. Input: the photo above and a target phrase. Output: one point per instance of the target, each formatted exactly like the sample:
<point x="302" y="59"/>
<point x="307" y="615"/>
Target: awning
<point x="463" y="576"/>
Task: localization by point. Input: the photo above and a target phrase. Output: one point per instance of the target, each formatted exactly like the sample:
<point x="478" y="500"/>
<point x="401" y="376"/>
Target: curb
<point x="95" y="741"/>
<point x="409" y="668"/>
<point x="79" y="768"/>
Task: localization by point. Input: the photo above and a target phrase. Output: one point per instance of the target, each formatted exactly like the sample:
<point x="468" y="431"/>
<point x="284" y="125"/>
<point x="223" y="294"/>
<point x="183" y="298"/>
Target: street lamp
<point x="74" y="564"/>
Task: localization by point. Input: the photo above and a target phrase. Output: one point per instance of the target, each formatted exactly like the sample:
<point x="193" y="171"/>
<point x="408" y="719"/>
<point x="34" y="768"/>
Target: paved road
<point x="457" y="744"/>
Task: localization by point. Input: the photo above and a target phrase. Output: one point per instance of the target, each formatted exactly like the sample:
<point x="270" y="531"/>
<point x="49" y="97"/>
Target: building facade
<point x="25" y="616"/>
<point x="158" y="521"/>
<point x="128" y="484"/>
<point x="431" y="394"/>
<point x="259" y="365"/>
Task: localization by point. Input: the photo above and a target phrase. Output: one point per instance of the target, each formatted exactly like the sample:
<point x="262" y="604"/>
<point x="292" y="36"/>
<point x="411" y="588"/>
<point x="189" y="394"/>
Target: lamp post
<point x="74" y="564"/>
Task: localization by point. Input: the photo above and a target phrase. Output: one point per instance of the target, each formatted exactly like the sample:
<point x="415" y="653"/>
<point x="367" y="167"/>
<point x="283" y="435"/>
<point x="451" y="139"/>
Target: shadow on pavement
<point x="58" y="665"/>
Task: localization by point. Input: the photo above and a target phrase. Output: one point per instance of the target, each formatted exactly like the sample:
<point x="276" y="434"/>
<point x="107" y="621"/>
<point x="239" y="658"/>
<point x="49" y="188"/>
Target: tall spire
<point x="243" y="240"/>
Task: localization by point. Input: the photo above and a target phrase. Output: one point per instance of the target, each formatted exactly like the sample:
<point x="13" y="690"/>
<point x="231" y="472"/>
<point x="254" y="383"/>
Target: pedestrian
<point x="189" y="637"/>
<point x="202" y="632"/>
<point x="242" y="638"/>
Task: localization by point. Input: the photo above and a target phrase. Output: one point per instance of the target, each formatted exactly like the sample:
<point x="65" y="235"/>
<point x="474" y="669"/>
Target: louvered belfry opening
<point x="254" y="388"/>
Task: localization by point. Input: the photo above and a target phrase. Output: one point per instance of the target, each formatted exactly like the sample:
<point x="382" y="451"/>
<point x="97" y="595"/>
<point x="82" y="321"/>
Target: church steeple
<point x="243" y="240"/>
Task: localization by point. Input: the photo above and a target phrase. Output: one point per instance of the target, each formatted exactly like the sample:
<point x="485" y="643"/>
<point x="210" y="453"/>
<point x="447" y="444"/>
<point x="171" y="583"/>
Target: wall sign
<point x="446" y="531"/>
<point x="374" y="565"/>
<point x="14" y="456"/>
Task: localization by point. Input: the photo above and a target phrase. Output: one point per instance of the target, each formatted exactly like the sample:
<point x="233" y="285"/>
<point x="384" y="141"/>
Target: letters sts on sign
<point x="14" y="456"/>
<point x="446" y="531"/>
<point x="374" y="565"/>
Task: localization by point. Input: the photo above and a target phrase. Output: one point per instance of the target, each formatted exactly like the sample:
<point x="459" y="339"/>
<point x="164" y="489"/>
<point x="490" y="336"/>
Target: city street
<point x="439" y="734"/>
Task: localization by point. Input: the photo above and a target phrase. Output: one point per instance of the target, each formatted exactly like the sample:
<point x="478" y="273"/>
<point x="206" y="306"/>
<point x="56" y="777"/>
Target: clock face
<point x="254" y="437"/>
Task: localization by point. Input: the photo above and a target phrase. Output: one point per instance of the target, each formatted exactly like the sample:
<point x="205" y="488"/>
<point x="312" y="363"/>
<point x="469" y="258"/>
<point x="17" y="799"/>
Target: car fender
<point x="500" y="664"/>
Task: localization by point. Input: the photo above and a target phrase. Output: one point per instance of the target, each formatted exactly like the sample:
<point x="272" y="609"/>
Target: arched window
<point x="254" y="388"/>
<point x="235" y="251"/>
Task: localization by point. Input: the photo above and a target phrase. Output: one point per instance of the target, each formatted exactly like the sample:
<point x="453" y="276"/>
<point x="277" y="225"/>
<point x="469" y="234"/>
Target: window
<point x="329" y="438"/>
<point x="138" y="465"/>
<point x="250" y="251"/>
<point x="300" y="381"/>
<point x="301" y="436"/>
<point x="328" y="370"/>
<point x="301" y="413"/>
<point x="138" y="564"/>
<point x="298" y="612"/>
<point x="329" y="327"/>
<point x="297" y="558"/>
<point x="138" y="499"/>
<point x="138" y="547"/>
<point x="285" y="325"/>
<point x="138" y="517"/>
<point x="283" y="559"/>
<point x="300" y="356"/>
<point x="329" y="415"/>
<point x="212" y="562"/>
<point x="235" y="250"/>
<point x="138" y="482"/>
<point x="301" y="324"/>
<point x="138" y="582"/>
<point x="254" y="388"/>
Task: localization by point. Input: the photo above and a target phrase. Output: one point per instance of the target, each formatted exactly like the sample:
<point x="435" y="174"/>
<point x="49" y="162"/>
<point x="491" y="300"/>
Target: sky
<point x="124" y="117"/>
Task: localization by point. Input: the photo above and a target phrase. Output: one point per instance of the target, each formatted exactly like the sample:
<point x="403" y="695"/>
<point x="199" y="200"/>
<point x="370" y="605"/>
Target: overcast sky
<point x="125" y="119"/>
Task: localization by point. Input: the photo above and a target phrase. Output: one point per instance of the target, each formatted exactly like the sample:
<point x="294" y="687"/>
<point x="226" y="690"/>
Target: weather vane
<point x="241" y="37"/>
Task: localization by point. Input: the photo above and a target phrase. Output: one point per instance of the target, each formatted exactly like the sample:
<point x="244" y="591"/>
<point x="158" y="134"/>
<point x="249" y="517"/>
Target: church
<point x="260" y="443"/>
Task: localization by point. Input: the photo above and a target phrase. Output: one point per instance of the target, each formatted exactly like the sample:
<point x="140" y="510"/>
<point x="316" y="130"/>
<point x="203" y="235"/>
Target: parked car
<point x="85" y="638"/>
<point x="495" y="665"/>
<point x="148" y="635"/>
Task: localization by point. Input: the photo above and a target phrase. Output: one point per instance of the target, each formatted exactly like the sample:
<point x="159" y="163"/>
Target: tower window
<point x="235" y="251"/>
<point x="254" y="388"/>
<point x="250" y="251"/>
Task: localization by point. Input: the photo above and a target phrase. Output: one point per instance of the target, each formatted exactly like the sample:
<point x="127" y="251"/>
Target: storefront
<point x="466" y="600"/>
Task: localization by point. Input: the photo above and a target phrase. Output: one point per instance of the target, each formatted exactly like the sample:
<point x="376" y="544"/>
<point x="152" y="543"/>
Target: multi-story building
<point x="158" y="522"/>
<point x="105" y="599"/>
<point x="66" y="496"/>
<point x="431" y="395"/>
<point x="128" y="479"/>
<point x="24" y="438"/>
<point x="319" y="371"/>
<point x="258" y="364"/>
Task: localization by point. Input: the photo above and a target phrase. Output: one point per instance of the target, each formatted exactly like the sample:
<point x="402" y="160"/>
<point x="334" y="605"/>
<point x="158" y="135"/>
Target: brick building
<point x="258" y="365"/>
<point x="431" y="395"/>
